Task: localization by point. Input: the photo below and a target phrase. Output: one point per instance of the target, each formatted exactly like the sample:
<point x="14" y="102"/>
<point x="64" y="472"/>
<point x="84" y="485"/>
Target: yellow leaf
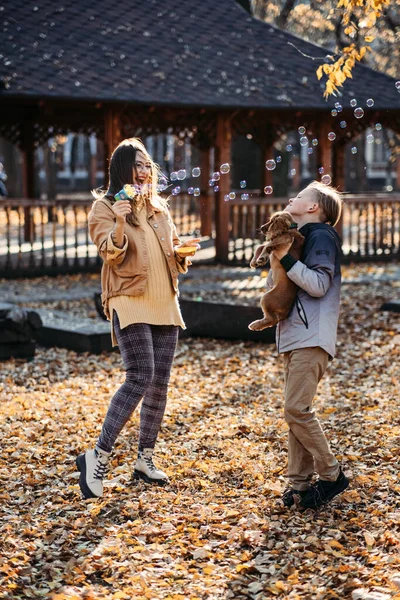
<point x="209" y="570"/>
<point x="319" y="72"/>
<point x="280" y="585"/>
<point x="369" y="539"/>
<point x="335" y="544"/>
<point x="369" y="38"/>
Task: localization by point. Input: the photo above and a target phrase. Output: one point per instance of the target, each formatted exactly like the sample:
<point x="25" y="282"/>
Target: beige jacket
<point x="125" y="270"/>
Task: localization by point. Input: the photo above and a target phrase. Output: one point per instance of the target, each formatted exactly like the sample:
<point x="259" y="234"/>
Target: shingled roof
<point x="180" y="53"/>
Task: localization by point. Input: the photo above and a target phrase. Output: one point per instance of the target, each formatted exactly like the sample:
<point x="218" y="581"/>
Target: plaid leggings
<point x="147" y="352"/>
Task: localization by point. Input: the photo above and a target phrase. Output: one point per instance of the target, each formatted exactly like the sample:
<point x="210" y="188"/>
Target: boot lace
<point x="149" y="462"/>
<point x="100" y="469"/>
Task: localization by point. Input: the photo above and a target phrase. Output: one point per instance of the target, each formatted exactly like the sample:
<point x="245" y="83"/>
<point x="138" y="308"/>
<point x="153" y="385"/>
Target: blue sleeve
<point x="315" y="274"/>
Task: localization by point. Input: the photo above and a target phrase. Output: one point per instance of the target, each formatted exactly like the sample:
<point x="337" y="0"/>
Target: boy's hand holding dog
<point x="280" y="252"/>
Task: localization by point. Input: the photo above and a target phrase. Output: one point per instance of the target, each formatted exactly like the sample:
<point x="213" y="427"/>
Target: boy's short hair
<point x="329" y="201"/>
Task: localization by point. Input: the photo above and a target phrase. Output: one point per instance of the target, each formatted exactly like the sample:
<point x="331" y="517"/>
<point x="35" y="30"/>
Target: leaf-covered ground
<point x="218" y="530"/>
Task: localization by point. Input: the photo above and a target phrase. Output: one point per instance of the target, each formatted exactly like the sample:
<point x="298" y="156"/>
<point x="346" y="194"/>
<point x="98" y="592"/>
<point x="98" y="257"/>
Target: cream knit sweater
<point x="159" y="304"/>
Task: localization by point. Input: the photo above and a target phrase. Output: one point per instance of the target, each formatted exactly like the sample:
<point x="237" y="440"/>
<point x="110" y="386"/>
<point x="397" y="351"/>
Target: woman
<point x="142" y="257"/>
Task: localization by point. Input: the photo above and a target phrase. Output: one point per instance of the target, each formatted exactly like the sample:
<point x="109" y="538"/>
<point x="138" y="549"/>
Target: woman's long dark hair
<point x="122" y="170"/>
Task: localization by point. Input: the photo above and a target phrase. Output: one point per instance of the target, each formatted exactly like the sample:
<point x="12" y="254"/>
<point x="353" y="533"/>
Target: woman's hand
<point x="188" y="248"/>
<point x="121" y="208"/>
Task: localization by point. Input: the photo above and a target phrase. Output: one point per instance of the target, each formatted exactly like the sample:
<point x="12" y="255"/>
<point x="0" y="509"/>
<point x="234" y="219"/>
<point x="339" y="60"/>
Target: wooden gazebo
<point x="122" y="69"/>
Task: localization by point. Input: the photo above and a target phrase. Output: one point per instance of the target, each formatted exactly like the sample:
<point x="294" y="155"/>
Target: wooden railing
<point x="370" y="226"/>
<point x="39" y="237"/>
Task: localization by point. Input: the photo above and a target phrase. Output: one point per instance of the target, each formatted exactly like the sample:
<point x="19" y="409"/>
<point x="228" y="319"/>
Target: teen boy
<point x="307" y="341"/>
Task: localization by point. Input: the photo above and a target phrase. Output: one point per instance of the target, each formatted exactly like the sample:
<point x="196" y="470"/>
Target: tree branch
<point x="284" y="14"/>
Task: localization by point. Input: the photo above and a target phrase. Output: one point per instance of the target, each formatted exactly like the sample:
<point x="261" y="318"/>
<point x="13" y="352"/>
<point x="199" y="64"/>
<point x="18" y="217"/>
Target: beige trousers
<point x="309" y="450"/>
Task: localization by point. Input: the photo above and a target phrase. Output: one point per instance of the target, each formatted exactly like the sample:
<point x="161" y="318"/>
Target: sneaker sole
<point x="140" y="475"/>
<point x="81" y="466"/>
<point x="329" y="497"/>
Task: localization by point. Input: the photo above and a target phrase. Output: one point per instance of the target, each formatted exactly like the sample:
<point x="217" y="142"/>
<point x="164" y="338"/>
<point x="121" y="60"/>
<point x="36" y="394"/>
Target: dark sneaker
<point x="323" y="491"/>
<point x="288" y="496"/>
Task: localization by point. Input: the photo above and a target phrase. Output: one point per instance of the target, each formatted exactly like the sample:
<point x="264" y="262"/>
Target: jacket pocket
<point x="301" y="311"/>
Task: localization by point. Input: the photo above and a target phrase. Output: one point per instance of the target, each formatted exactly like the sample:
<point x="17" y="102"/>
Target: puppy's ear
<point x="264" y="228"/>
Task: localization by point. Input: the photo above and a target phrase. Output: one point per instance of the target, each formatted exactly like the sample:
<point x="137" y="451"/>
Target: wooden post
<point x="205" y="198"/>
<point x="398" y="173"/>
<point x="28" y="177"/>
<point x="338" y="177"/>
<point x="267" y="151"/>
<point x="324" y="150"/>
<point x="112" y="133"/>
<point x="296" y="179"/>
<point x="223" y="155"/>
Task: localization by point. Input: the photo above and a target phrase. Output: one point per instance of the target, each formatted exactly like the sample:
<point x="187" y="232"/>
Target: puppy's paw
<point x="257" y="325"/>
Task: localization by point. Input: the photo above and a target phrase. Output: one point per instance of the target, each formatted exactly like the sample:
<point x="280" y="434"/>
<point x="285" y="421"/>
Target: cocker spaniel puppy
<point x="276" y="303"/>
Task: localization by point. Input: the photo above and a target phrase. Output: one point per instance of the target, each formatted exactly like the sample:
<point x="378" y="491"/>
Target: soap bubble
<point x="278" y="159"/>
<point x="196" y="172"/>
<point x="370" y="138"/>
<point x="354" y="150"/>
<point x="353" y="102"/>
<point x="226" y="198"/>
<point x="292" y="172"/>
<point x="397" y="85"/>
<point x="216" y="188"/>
<point x="343" y="124"/>
<point x="225" y="168"/>
<point x="270" y="164"/>
<point x="232" y="195"/>
<point x="303" y="141"/>
<point x="196" y="192"/>
<point x="245" y="196"/>
<point x="326" y="179"/>
<point x="301" y="130"/>
<point x="310" y="150"/>
<point x="176" y="190"/>
<point x="358" y="113"/>
<point x="181" y="174"/>
<point x="331" y="136"/>
<point x="370" y="102"/>
<point x="315" y="142"/>
<point x="211" y="182"/>
<point x="268" y="189"/>
<point x="321" y="170"/>
<point x="162" y="184"/>
<point x="190" y="191"/>
<point x="339" y="107"/>
<point x="243" y="184"/>
<point x="289" y="148"/>
<point x="334" y="112"/>
<point x="378" y="126"/>
<point x="216" y="176"/>
<point x="174" y="176"/>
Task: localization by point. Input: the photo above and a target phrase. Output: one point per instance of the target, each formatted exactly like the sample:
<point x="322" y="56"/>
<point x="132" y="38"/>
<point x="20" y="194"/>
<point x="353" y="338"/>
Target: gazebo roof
<point x="191" y="53"/>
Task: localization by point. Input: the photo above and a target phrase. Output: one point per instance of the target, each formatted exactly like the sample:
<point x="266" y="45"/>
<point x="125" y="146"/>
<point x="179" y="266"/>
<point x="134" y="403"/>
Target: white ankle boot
<point x="145" y="469"/>
<point x="93" y="468"/>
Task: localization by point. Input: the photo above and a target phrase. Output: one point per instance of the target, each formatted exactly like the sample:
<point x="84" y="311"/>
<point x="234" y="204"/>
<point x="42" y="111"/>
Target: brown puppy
<point x="276" y="303"/>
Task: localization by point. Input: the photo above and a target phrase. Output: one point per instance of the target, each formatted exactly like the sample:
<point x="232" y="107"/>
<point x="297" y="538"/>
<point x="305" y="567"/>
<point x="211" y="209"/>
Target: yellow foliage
<point x="371" y="10"/>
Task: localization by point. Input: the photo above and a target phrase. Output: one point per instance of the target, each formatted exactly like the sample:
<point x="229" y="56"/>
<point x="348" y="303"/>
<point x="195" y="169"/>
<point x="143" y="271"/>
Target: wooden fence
<point x="47" y="238"/>
<point x="370" y="226"/>
<point x="39" y="237"/>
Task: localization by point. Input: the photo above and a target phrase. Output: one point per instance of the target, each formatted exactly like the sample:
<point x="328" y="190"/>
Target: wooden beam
<point x="112" y="133"/>
<point x="205" y="198"/>
<point x="223" y="155"/>
<point x="28" y="176"/>
<point x="324" y="150"/>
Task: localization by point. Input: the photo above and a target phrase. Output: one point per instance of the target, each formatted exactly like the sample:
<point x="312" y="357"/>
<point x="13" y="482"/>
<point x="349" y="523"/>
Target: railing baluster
<point x="20" y="229"/>
<point x="8" y="237"/>
<point x="42" y="237"/>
